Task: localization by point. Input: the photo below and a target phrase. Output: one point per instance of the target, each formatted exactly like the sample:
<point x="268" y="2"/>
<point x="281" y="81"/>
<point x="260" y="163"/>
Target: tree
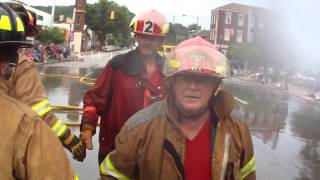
<point x="194" y="27"/>
<point x="50" y="35"/>
<point x="98" y="18"/>
<point x="176" y="34"/>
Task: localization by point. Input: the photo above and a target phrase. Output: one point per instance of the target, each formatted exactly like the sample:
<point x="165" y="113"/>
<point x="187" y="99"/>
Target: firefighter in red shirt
<point x="128" y="83"/>
<point x="189" y="135"/>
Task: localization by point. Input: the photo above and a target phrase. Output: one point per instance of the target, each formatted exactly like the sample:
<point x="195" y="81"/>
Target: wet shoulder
<point x="117" y="61"/>
<point x="147" y="115"/>
<point x="10" y="106"/>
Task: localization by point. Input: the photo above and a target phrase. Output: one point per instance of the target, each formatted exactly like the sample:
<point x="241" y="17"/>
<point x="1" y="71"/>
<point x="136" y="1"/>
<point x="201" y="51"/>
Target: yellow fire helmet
<point x="12" y="29"/>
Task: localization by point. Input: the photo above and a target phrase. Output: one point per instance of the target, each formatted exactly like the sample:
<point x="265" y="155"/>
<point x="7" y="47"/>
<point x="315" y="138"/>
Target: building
<point x="236" y="23"/>
<point x="79" y="21"/>
<point x="43" y="18"/>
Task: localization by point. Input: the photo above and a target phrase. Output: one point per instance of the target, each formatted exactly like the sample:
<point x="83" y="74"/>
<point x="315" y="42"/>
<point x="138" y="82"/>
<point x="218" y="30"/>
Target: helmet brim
<point x="16" y="44"/>
<point x="149" y="34"/>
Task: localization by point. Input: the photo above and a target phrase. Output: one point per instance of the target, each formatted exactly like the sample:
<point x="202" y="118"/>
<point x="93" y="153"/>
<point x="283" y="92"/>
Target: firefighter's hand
<point x="78" y="151"/>
<point x="86" y="138"/>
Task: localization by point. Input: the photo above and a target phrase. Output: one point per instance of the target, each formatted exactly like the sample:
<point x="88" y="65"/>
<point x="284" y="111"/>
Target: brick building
<point x="236" y="23"/>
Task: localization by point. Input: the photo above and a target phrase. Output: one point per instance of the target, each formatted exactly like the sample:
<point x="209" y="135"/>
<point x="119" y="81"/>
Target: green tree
<point x="50" y="35"/>
<point x="98" y="18"/>
<point x="194" y="27"/>
<point x="176" y="34"/>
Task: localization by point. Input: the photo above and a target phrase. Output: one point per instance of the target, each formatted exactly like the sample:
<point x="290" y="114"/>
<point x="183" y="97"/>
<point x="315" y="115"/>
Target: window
<point x="240" y="19"/>
<point x="78" y="20"/>
<point x="212" y="34"/>
<point x="80" y="3"/>
<point x="228" y="17"/>
<point x="227" y="33"/>
<point x="239" y="36"/>
<point x="214" y="18"/>
<point x="252" y="21"/>
<point x="40" y="18"/>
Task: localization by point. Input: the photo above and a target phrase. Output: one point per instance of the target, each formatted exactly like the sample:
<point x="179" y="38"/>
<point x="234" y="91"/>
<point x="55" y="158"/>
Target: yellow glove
<point x="75" y="146"/>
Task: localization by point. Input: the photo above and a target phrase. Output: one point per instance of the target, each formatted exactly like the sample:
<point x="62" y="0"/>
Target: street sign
<point x="71" y="36"/>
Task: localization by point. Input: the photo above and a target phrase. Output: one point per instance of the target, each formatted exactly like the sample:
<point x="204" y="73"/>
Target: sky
<point x="173" y="9"/>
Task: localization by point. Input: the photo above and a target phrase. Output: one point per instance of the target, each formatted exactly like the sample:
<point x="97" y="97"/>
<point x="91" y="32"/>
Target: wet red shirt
<point x="197" y="165"/>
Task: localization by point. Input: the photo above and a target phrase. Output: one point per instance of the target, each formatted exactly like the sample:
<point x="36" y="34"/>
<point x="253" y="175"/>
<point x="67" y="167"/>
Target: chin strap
<point x="218" y="89"/>
<point x="9" y="70"/>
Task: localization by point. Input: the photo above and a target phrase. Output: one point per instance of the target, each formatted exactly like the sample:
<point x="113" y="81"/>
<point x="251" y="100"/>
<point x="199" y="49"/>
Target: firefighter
<point x="29" y="149"/>
<point x="189" y="135"/>
<point x="128" y="83"/>
<point x="26" y="86"/>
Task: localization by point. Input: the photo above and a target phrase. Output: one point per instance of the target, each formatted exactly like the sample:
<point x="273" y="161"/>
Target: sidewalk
<point x="292" y="89"/>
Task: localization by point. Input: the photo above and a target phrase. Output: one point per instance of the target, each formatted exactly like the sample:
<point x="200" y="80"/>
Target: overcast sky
<point x="173" y="9"/>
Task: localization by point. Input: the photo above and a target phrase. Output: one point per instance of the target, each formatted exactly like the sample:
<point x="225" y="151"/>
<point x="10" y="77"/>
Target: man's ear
<point x="2" y="68"/>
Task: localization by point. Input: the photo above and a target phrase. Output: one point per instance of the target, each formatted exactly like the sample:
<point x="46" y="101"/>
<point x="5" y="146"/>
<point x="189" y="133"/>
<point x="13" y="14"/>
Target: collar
<point x="133" y="65"/>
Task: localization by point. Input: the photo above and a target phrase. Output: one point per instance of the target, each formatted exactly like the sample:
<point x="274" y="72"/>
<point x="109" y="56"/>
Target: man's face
<point x="148" y="45"/>
<point x="192" y="92"/>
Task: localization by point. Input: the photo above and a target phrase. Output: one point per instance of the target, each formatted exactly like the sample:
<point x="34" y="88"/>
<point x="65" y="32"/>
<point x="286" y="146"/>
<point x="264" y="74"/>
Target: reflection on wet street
<point x="285" y="129"/>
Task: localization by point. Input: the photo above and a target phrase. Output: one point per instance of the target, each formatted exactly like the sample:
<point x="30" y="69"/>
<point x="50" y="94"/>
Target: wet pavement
<point x="285" y="128"/>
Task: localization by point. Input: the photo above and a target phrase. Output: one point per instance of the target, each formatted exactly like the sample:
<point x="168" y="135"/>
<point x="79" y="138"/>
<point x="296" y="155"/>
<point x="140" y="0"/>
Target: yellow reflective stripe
<point x="248" y="168"/>
<point x="59" y="128"/>
<point x="45" y="111"/>
<point x="20" y="27"/>
<point x="5" y="23"/>
<point x="103" y="168"/>
<point x="69" y="139"/>
<point x="106" y="168"/>
<point x="42" y="108"/>
<point x="76" y="177"/>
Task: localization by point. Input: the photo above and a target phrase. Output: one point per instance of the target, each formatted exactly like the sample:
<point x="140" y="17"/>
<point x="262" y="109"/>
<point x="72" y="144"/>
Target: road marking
<point x="240" y="100"/>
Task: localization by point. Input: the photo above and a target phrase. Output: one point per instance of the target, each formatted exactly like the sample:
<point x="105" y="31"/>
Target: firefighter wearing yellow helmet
<point x="29" y="149"/>
<point x="26" y="86"/>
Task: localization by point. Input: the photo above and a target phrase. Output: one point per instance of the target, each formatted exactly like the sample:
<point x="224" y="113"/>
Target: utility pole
<point x="52" y="12"/>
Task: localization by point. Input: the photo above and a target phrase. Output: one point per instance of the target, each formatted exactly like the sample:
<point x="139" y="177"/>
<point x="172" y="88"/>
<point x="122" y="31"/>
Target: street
<point x="284" y="127"/>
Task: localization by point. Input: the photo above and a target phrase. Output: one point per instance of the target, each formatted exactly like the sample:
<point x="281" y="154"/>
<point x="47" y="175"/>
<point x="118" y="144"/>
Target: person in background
<point x="128" y="83"/>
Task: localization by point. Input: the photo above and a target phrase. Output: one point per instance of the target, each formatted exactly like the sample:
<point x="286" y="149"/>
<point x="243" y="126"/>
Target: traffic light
<point x="112" y="15"/>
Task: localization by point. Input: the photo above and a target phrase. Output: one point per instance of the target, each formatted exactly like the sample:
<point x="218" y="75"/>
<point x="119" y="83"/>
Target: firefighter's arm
<point x="121" y="163"/>
<point x="30" y="90"/>
<point x="27" y="83"/>
<point x="39" y="154"/>
<point x="248" y="164"/>
<point x="95" y="99"/>
<point x="94" y="104"/>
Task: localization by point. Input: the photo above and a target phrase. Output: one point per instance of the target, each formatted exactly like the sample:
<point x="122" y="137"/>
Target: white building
<point x="43" y="18"/>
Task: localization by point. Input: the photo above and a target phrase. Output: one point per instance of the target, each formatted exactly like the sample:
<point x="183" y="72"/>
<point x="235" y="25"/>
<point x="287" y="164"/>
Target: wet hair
<point x="9" y="54"/>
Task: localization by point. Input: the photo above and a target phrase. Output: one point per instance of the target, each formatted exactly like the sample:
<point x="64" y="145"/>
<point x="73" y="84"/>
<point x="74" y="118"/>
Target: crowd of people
<point x="42" y="53"/>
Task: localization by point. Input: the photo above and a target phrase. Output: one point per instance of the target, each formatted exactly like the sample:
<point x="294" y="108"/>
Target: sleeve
<point x="39" y="154"/>
<point x="247" y="164"/>
<point x="95" y="99"/>
<point x="122" y="162"/>
<point x="28" y="85"/>
<point x="30" y="90"/>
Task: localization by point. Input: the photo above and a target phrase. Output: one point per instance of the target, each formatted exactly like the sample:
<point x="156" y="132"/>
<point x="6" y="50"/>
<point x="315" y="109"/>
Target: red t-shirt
<point x="154" y="79"/>
<point x="197" y="162"/>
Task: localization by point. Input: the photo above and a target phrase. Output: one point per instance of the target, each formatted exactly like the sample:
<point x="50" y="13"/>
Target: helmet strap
<point x="218" y="89"/>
